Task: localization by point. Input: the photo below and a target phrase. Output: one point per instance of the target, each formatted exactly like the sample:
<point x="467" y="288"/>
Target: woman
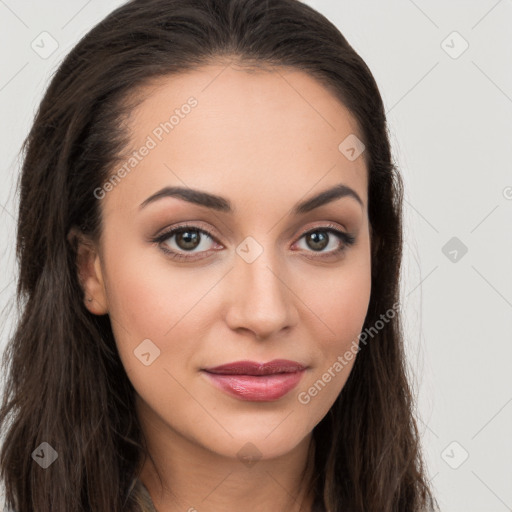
<point x="209" y="242"/>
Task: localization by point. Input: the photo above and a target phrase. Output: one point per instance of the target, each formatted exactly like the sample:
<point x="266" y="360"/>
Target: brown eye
<point x="186" y="240"/>
<point x="317" y="242"/>
<point x="318" y="239"/>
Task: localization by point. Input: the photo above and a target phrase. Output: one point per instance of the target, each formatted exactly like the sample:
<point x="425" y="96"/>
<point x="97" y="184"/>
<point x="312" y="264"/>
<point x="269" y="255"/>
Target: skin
<point x="264" y="139"/>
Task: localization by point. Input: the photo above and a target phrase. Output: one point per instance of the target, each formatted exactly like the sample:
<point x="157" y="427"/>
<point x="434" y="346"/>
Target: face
<point x="259" y="273"/>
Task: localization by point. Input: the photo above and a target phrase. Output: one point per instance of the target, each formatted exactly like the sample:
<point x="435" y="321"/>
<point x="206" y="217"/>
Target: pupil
<point x="187" y="239"/>
<point x="318" y="242"/>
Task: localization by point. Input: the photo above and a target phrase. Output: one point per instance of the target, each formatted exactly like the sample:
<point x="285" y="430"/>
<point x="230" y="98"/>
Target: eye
<point x="186" y="240"/>
<point x="179" y="241"/>
<point x="320" y="238"/>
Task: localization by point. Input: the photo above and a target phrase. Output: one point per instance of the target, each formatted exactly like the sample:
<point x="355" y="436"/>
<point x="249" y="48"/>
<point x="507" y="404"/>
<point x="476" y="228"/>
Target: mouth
<point x="258" y="382"/>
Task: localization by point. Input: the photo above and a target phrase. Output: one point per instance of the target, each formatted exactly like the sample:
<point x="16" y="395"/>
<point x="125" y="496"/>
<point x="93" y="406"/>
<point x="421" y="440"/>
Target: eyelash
<point x="347" y="239"/>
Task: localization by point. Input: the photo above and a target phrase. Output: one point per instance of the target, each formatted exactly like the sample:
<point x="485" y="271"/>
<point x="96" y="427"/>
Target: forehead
<point x="231" y="127"/>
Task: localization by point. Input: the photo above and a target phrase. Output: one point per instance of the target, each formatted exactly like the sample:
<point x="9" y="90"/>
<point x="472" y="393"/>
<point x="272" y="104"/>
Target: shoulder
<point x="142" y="497"/>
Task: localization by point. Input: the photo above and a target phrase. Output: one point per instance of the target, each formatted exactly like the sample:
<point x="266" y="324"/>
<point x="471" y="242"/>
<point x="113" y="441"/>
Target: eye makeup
<point x="346" y="240"/>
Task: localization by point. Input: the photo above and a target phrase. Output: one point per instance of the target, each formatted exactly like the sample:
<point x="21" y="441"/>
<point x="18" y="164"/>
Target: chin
<point x="251" y="441"/>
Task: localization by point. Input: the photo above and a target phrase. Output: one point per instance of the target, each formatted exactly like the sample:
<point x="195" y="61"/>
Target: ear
<point x="89" y="272"/>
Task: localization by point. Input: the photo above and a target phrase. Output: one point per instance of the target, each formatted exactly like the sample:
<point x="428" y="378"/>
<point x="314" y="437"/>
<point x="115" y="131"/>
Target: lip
<point x="258" y="382"/>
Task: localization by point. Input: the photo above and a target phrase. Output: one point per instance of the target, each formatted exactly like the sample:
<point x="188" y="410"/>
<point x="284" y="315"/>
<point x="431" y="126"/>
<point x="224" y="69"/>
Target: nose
<point x="261" y="297"/>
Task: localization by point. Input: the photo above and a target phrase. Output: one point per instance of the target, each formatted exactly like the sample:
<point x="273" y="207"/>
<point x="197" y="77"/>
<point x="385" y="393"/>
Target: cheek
<point x="155" y="333"/>
<point x="148" y="302"/>
<point x="347" y="307"/>
<point x="342" y="310"/>
<point x="340" y="300"/>
<point x="340" y="303"/>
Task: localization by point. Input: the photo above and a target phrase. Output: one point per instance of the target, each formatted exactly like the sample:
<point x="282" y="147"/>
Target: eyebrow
<point x="224" y="205"/>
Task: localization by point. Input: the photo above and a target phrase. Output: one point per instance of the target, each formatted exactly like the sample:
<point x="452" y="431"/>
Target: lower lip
<point x="264" y="388"/>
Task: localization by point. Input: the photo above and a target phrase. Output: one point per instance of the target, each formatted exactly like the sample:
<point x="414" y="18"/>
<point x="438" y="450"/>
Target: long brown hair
<point x="64" y="381"/>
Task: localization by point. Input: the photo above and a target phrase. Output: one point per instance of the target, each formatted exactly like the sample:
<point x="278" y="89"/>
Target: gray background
<point x="450" y="118"/>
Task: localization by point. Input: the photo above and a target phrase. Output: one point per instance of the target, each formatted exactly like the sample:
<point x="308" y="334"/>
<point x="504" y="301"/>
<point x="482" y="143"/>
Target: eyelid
<point x="193" y="224"/>
<point x="346" y="239"/>
<point x="321" y="226"/>
<point x="203" y="228"/>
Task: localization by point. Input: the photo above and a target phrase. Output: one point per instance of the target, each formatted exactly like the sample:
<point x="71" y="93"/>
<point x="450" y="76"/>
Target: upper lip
<point x="255" y="368"/>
